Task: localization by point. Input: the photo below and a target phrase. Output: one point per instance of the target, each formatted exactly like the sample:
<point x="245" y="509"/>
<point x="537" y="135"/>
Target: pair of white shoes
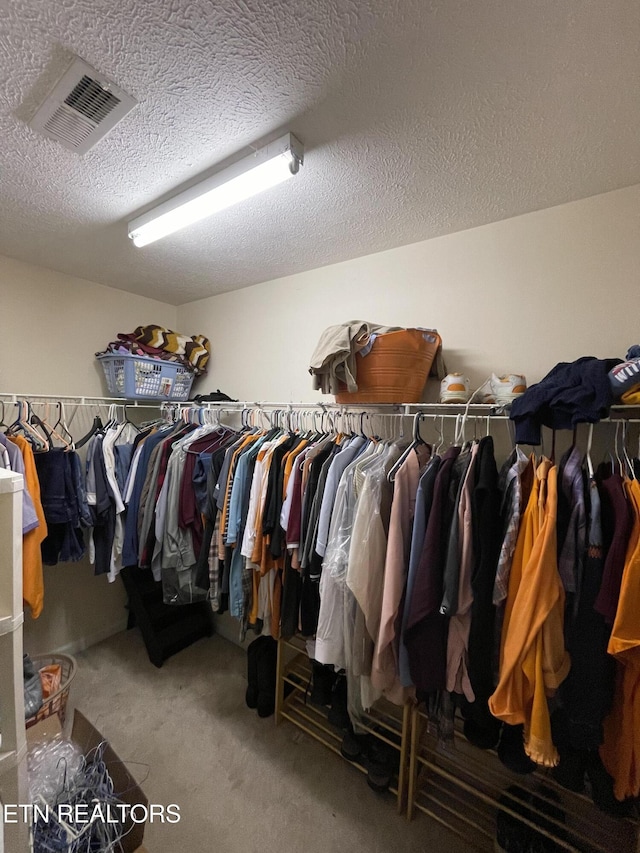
<point x="498" y="390"/>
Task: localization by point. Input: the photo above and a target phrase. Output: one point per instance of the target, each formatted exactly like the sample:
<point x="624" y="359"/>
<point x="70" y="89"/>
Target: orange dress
<point x="533" y="660"/>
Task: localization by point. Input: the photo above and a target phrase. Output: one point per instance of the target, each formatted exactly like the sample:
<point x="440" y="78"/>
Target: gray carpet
<point x="243" y="785"/>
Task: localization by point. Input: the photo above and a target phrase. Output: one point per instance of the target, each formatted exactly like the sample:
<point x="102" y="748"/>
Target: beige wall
<point x="51" y="326"/>
<point x="514" y="296"/>
<point x="517" y="295"/>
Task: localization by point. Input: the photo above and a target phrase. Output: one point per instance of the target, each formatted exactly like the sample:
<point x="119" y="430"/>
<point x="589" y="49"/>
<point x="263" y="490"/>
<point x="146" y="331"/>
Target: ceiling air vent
<point x="82" y="108"/>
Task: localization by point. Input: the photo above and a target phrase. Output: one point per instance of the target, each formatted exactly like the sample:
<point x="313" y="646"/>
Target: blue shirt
<point x="130" y="545"/>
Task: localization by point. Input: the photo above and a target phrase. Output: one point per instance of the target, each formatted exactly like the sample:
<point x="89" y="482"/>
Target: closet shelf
<point x="464" y="788"/>
<point x="13" y="746"/>
<point x="7" y="760"/>
<point x="386" y="722"/>
<point x="10" y="758"/>
<point x="9" y="624"/>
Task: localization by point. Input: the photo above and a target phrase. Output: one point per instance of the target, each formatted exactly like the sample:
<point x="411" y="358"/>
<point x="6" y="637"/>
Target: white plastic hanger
<point x="588" y="454"/>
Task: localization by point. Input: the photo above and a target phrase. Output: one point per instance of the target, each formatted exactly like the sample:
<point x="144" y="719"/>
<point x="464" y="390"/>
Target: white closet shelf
<point x="10" y="483"/>
<point x="9" y="624"/>
<point x="10" y="758"/>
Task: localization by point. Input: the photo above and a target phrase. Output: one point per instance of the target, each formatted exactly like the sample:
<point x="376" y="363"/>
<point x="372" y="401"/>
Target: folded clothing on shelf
<point x="153" y="341"/>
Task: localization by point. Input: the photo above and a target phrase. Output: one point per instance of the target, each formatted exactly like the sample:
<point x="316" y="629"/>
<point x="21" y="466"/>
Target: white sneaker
<point x="505" y="389"/>
<point x="455" y="388"/>
<point x="500" y="390"/>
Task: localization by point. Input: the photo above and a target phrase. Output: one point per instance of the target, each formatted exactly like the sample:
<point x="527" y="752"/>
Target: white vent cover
<point x="82" y="108"/>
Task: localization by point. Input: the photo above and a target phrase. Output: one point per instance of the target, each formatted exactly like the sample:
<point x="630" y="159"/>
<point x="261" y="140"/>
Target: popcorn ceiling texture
<point x="418" y="118"/>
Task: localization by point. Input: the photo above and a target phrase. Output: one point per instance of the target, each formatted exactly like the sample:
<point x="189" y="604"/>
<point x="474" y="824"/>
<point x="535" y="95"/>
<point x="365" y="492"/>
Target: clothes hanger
<point x="440" y="432"/>
<point x="62" y="423"/>
<point x="617" y="449"/>
<point x="22" y="424"/>
<point x="52" y="431"/>
<point x="588" y="453"/>
<point x="416" y="442"/>
<point x="127" y="419"/>
<point x="112" y="417"/>
<point x="625" y="453"/>
<point x="36" y="424"/>
<point x="96" y="427"/>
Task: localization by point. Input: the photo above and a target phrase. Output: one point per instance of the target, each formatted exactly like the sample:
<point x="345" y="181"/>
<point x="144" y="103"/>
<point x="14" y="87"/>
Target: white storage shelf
<point x="14" y="838"/>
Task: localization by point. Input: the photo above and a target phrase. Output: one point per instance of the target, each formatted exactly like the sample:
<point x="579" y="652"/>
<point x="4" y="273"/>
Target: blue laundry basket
<point x="136" y="377"/>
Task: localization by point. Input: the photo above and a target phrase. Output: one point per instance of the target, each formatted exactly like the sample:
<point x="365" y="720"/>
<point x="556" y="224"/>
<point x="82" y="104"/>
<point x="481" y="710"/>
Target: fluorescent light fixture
<point x="262" y="169"/>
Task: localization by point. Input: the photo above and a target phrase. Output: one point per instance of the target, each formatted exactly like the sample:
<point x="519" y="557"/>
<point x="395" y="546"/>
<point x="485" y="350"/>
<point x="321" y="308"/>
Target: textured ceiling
<point x="418" y="119"/>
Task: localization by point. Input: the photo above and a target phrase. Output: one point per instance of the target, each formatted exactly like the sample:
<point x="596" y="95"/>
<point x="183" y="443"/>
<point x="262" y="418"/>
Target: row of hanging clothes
<point x="41" y="448"/>
<point x="426" y="571"/>
<point x="567" y="634"/>
<point x="418" y="569"/>
<point x="59" y="514"/>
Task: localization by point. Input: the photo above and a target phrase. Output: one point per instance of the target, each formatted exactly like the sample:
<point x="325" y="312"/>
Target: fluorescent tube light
<point x="262" y="169"/>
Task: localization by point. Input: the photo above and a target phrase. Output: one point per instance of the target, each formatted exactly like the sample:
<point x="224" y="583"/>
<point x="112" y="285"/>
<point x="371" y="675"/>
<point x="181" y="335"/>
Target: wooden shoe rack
<point x="385" y="721"/>
<point x="464" y="788"/>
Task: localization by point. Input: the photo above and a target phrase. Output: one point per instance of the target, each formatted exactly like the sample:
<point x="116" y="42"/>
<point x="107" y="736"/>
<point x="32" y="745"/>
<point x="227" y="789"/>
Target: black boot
<point x="323" y="677"/>
<point x="251" y="696"/>
<point x="267" y="666"/>
<point x="338" y="715"/>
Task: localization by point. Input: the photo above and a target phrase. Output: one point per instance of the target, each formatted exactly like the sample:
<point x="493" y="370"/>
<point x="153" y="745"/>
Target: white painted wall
<point x="51" y="326"/>
<point x="514" y="296"/>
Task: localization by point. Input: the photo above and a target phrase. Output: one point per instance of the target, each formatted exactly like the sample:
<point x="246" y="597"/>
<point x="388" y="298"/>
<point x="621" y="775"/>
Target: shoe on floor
<point x="455" y="388"/>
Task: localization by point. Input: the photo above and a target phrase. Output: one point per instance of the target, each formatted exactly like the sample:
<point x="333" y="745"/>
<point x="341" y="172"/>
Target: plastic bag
<point x="50" y="765"/>
<point x="51" y="679"/>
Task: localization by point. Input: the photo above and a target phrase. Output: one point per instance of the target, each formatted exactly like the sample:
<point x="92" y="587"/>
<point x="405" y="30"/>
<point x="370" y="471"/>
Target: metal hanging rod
<point x="446" y="410"/>
<point x="80" y="400"/>
<point x="402" y="409"/>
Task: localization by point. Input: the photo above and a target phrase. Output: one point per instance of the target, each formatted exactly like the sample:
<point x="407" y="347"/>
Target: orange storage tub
<point x="396" y="368"/>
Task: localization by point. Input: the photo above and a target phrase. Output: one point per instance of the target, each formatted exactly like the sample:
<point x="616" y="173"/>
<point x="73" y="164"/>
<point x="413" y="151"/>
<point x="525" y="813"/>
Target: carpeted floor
<point x="243" y="785"/>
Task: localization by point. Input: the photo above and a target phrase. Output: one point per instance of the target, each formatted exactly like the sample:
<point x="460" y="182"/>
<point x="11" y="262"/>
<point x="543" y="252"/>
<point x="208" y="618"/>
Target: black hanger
<point x="97" y="426"/>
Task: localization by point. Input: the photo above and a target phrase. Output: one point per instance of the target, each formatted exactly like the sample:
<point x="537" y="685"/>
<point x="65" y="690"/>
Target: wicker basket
<point x="57" y="702"/>
<point x="396" y="369"/>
